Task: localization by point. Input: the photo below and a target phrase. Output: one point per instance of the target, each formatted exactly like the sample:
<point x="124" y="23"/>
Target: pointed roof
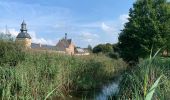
<point x="23" y="35"/>
<point x="23" y="31"/>
<point x="63" y="43"/>
<point x="23" y="22"/>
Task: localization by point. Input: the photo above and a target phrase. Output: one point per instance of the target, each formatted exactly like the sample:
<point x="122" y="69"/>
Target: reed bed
<point x="44" y="75"/>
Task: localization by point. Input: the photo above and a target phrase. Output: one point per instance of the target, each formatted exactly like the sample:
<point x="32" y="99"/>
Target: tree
<point x="148" y="27"/>
<point x="110" y="50"/>
<point x="90" y="48"/>
<point x="103" y="48"/>
<point x="98" y="48"/>
<point x="115" y="47"/>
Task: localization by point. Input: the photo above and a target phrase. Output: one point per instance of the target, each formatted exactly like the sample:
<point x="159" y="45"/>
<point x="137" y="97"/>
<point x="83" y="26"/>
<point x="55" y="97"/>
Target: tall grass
<point x="10" y="53"/>
<point x="137" y="82"/>
<point x="44" y="75"/>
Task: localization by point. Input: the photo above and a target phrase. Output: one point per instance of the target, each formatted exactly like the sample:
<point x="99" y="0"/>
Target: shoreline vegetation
<point x="38" y="75"/>
<point x="137" y="81"/>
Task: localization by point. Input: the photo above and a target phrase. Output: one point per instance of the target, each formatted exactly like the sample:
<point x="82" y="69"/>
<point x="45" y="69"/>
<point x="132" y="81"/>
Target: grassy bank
<point x="136" y="82"/>
<point x="40" y="74"/>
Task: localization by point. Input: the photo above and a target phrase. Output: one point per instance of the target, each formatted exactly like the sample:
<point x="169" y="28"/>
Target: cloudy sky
<point x="86" y="21"/>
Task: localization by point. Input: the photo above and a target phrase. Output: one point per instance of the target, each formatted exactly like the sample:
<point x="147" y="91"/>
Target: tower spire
<point x="65" y="36"/>
<point x="23" y="27"/>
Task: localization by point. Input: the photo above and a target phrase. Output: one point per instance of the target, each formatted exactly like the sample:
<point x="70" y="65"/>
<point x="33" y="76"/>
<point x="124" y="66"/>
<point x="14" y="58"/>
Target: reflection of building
<point x="65" y="45"/>
<point x="23" y="37"/>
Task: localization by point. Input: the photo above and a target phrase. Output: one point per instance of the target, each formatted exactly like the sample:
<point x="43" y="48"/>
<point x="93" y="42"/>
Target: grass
<point x="45" y="75"/>
<point x="138" y="82"/>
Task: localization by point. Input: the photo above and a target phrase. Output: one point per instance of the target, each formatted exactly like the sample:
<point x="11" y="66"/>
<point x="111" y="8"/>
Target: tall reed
<point x="137" y="82"/>
<point x="44" y="75"/>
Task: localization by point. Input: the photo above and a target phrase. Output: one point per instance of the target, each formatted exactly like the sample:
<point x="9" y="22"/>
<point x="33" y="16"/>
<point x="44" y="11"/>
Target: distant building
<point x="82" y="51"/>
<point x="66" y="45"/>
<point x="63" y="46"/>
<point x="42" y="46"/>
<point x="23" y="38"/>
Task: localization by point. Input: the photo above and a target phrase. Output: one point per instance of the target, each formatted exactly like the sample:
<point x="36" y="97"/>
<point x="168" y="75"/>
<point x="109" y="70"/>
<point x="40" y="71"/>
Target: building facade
<point x="66" y="45"/>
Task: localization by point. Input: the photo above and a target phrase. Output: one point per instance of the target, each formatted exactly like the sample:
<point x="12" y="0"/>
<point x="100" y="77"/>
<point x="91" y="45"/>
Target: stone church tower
<point x="23" y="38"/>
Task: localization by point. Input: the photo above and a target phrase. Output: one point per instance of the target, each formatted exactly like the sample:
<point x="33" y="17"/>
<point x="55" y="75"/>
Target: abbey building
<point x="64" y="45"/>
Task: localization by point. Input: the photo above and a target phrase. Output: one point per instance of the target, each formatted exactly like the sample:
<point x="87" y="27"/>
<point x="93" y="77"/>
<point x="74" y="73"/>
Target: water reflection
<point x="108" y="90"/>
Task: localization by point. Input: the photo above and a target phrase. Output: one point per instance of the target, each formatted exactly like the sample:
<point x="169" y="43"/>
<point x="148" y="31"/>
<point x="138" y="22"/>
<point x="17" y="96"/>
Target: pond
<point x="107" y="91"/>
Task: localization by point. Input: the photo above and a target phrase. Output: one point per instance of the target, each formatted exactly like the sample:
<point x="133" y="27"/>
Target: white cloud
<point x="111" y="29"/>
<point x="123" y="18"/>
<point x="88" y="37"/>
<point x="106" y="28"/>
<point x="114" y="27"/>
<point x="14" y="33"/>
<point x="89" y="40"/>
<point x="40" y="40"/>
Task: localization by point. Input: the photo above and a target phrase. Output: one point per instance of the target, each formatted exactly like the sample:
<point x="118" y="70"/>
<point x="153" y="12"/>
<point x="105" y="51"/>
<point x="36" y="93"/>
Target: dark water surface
<point x="107" y="91"/>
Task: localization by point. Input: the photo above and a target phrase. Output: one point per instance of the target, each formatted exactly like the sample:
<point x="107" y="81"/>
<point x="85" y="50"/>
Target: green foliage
<point x="138" y="82"/>
<point x="110" y="50"/>
<point x="10" y="53"/>
<point x="115" y="47"/>
<point x="149" y="95"/>
<point x="148" y="27"/>
<point x="103" y="48"/>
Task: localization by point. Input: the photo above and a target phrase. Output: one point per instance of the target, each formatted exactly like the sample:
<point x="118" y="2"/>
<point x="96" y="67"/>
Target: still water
<point x="106" y="92"/>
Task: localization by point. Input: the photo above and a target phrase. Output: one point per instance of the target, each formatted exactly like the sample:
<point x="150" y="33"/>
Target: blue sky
<point x="86" y="21"/>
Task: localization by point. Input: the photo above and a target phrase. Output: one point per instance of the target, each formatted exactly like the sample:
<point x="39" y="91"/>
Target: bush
<point x="10" y="53"/>
<point x="113" y="55"/>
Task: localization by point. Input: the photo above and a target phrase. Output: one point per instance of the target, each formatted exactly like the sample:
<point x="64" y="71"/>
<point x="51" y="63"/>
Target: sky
<point x="87" y="22"/>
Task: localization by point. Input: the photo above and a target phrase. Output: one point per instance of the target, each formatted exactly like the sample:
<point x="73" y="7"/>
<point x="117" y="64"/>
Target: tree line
<point x="147" y="30"/>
